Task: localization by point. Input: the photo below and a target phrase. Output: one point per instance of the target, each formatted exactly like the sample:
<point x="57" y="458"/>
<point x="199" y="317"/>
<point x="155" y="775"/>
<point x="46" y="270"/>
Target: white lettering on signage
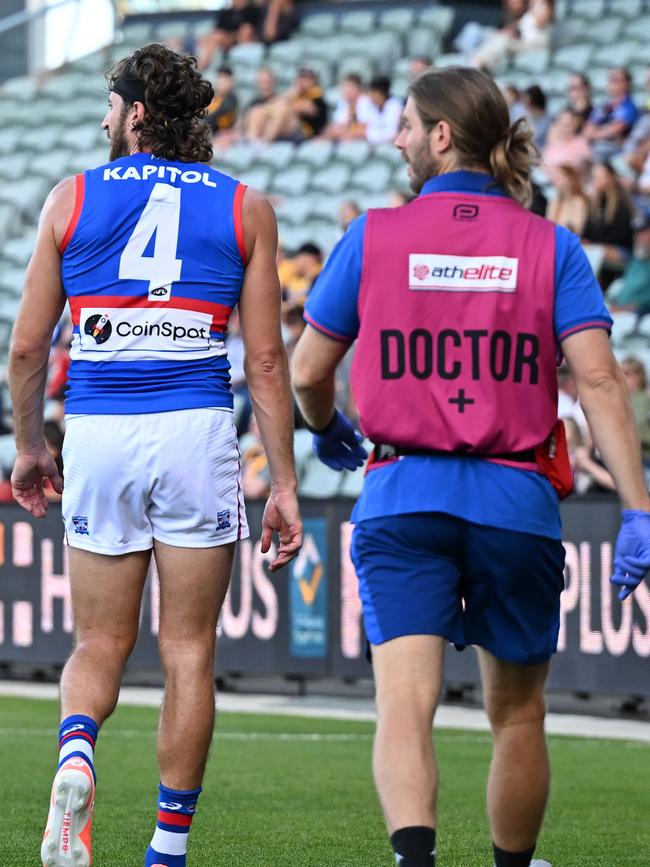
<point x="434" y="272"/>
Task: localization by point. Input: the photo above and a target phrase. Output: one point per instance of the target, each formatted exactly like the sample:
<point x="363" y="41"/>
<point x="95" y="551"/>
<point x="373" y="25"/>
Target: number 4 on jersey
<point x="161" y="216"/>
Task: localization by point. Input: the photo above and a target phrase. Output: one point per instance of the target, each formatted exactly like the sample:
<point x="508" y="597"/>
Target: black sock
<point x="512" y="859"/>
<point x="415" y="846"/>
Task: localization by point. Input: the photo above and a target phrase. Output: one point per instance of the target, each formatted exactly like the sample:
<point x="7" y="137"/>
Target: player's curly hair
<point x="475" y="109"/>
<point x="175" y="97"/>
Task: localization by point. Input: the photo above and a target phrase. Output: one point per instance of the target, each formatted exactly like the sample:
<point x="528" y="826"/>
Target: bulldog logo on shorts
<point x="223" y="519"/>
<point x="80" y="524"/>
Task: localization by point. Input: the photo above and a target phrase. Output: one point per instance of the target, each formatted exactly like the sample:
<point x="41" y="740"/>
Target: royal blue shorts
<point x="434" y="574"/>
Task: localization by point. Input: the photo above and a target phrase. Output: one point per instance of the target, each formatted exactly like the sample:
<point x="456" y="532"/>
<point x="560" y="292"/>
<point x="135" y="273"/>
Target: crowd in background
<point x="594" y="171"/>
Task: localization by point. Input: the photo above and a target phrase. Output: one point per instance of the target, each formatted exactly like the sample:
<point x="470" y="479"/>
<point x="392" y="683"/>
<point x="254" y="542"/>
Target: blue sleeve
<point x="625" y="112"/>
<point x="331" y="307"/>
<point x="579" y="302"/>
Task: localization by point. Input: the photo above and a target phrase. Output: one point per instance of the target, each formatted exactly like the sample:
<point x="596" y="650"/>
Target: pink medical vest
<point x="456" y="350"/>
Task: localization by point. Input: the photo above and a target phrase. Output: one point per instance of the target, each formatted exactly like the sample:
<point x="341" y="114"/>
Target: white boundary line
<point x="465" y="719"/>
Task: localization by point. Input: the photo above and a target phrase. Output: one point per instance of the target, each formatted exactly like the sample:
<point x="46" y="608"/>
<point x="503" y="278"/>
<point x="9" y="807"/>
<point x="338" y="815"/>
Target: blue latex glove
<point x="632" y="552"/>
<point x="339" y="445"/>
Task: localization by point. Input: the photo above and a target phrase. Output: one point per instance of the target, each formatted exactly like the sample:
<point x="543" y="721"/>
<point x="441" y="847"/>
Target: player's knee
<point x="528" y="712"/>
<point x="106" y="648"/>
<point x="187" y="656"/>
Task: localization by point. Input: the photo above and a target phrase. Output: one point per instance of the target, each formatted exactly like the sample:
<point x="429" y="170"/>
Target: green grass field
<point x="297" y="792"/>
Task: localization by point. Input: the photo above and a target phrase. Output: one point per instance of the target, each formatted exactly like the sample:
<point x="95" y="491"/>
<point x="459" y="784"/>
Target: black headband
<point x="131" y="89"/>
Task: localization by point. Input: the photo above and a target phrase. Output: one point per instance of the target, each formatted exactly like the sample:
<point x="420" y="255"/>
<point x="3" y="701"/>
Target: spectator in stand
<point x="564" y="144"/>
<point x="297" y="274"/>
<point x="298" y="115"/>
<point x="222" y="111"/>
<point x="53" y="434"/>
<point x="348" y="211"/>
<point x="567" y="398"/>
<point x="532" y="32"/>
<point x="534" y="103"/>
<point x="383" y="123"/>
<point x="397" y="198"/>
<point x="352" y="113"/>
<point x="633" y="289"/>
<point x="280" y="21"/>
<point x="293" y="324"/>
<point x="260" y="104"/>
<point x="418" y="64"/>
<point x="570" y="207"/>
<point x="610" y="220"/>
<point x="609" y="125"/>
<point x="636" y="147"/>
<point x="238" y="23"/>
<point x="579" y="98"/>
<point x="637" y="383"/>
<point x="474" y="36"/>
<point x="513" y="100"/>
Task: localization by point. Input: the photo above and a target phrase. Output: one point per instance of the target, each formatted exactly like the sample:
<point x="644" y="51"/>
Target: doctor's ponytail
<point x="511" y="161"/>
<point x="477" y="114"/>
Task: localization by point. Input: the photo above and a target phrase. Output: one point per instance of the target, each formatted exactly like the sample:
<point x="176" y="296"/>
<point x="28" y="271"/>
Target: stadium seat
<point x="360" y="21"/>
<point x="362" y="66"/>
<point x="201" y="26"/>
<point x="13" y="165"/>
<point x="288" y="52"/>
<point x="302" y="450"/>
<point x="295" y="210"/>
<point x="293" y="181"/>
<point x="175" y="29"/>
<point x="293" y="237"/>
<point x="373" y="176"/>
<point x="247" y="54"/>
<point x="139" y="32"/>
<point x="12" y="281"/>
<point x="52" y="166"/>
<point x="590" y="10"/>
<point x="18" y="251"/>
<point x="574" y="58"/>
<point x="424" y="41"/>
<point x="324" y="234"/>
<point x="533" y="62"/>
<point x="332" y="179"/>
<point x="452" y="59"/>
<point x="638" y="28"/>
<point x="20" y="88"/>
<point x="318" y="481"/>
<point x="400" y="180"/>
<point x="320" y="24"/>
<point x="400" y="20"/>
<point x="596" y="255"/>
<point x="603" y="31"/>
<point x="258" y="177"/>
<point x="278" y="155"/>
<point x="626" y="8"/>
<point x="351" y="483"/>
<point x="623" y="323"/>
<point x="384" y="48"/>
<point x="8" y="138"/>
<point x="353" y="152"/>
<point x="316" y="153"/>
<point x="439" y="18"/>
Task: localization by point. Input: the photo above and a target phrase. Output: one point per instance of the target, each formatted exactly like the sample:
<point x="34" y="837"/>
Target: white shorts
<point x="169" y="476"/>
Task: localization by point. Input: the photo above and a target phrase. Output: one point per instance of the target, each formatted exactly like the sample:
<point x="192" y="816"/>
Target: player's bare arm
<point x="267" y="375"/>
<point x="40" y="310"/>
<point x="604" y="397"/>
<point x="313" y="366"/>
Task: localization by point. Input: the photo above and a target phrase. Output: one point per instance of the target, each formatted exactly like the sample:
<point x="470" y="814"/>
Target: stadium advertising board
<point x="306" y="620"/>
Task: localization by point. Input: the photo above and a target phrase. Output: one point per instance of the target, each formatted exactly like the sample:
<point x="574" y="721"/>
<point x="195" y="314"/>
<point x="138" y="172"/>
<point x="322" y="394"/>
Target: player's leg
<point x="106" y="595"/>
<point x="519" y="778"/>
<point x="513" y="583"/>
<point x="408" y="584"/>
<point x="193" y="584"/>
<point x="408" y="677"/>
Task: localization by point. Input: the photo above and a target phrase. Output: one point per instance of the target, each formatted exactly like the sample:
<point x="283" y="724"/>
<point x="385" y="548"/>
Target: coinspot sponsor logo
<point x="433" y="272"/>
<point x="142" y="330"/>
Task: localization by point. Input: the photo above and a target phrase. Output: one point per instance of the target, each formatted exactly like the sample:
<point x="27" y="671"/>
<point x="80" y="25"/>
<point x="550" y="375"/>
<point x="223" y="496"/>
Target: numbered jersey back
<point x="153" y="264"/>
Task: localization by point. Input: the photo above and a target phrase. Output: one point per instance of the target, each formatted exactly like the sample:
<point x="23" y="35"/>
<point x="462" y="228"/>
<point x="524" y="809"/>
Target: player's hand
<point x="30" y="470"/>
<point x="632" y="552"/>
<point x="282" y="516"/>
<point x="339" y="445"/>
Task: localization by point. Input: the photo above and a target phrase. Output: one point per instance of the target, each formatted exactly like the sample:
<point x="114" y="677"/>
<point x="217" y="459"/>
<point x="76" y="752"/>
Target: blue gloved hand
<point x="339" y="445"/>
<point x="632" y="552"/>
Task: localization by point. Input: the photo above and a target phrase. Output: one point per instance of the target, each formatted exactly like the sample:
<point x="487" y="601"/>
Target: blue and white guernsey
<point x="152" y="264"/>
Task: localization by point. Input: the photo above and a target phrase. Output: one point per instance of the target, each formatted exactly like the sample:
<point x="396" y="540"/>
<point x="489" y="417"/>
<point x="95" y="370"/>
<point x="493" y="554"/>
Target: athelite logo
<point x="432" y="272"/>
<point x="170" y="805"/>
<point x="75" y="728"/>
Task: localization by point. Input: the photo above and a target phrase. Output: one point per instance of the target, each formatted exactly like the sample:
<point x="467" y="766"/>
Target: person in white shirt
<point x="383" y="124"/>
<point x="353" y="111"/>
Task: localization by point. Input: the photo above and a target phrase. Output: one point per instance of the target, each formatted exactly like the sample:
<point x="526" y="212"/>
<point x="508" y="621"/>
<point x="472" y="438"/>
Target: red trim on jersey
<point x="238" y="215"/>
<point x="181" y="819"/>
<point x="79" y="192"/>
<point x="220" y="312"/>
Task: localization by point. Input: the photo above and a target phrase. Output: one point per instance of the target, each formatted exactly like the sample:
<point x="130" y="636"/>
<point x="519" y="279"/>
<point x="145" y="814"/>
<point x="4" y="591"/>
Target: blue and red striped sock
<point x="168" y="847"/>
<point x="77" y="739"/>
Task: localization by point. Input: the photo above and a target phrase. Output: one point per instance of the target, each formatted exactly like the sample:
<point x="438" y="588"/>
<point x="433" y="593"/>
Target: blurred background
<point x="308" y="97"/>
